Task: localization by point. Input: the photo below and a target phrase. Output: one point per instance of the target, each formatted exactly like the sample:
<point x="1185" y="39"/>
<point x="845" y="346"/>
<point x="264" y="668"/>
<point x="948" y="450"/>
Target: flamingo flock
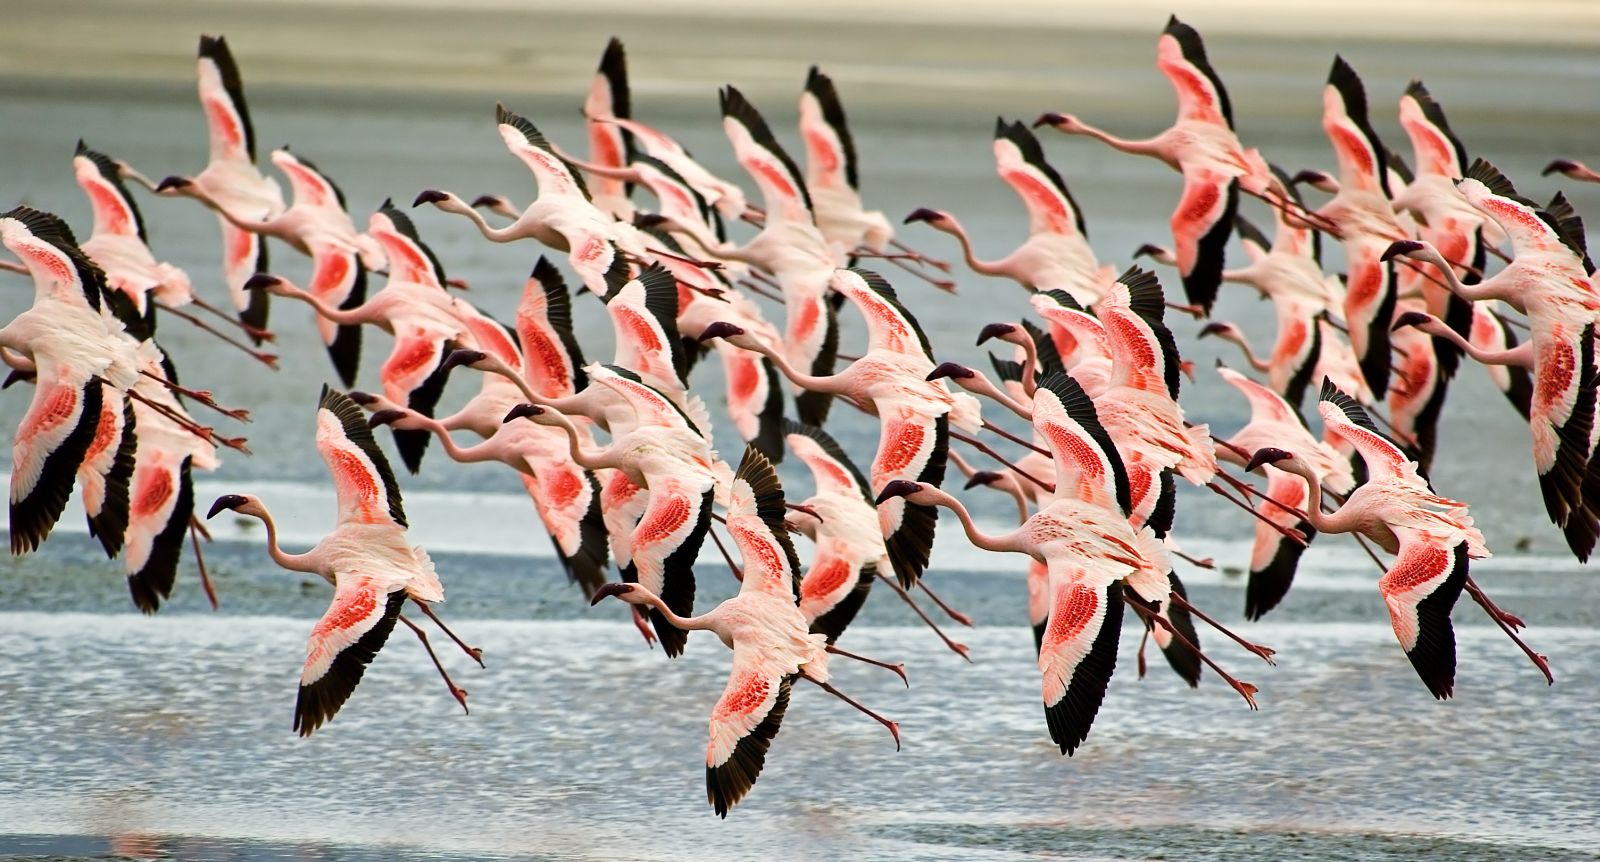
<point x="621" y="459"/>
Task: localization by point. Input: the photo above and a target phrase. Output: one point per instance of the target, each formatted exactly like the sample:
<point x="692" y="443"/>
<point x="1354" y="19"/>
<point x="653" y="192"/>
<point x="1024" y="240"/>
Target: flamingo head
<point x="1411" y="318"/>
<point x="1319" y="180"/>
<point x="175" y="186"/>
<point x="899" y="488"/>
<point x="435" y="197"/>
<point x="1561" y="166"/>
<point x="1064" y="123"/>
<point x="952" y="370"/>
<point x="471" y="358"/>
<point x="630" y="593"/>
<point x="268" y="282"/>
<point x="1401" y="248"/>
<point x="402" y="420"/>
<point x="1219" y="328"/>
<point x="1002" y="331"/>
<point x="524" y="411"/>
<point x="498" y="204"/>
<point x="1267" y="455"/>
<point x="935" y="219"/>
<point x="1150" y="250"/>
<point x="733" y="334"/>
<point x="984" y="478"/>
<point x="16" y="376"/>
<point x="244" y="504"/>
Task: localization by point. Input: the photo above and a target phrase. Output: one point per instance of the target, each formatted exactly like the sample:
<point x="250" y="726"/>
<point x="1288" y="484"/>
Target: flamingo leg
<point x="984" y="448"/>
<point x="756" y="288"/>
<point x="460" y="694"/>
<point x="940" y="265"/>
<point x="252" y="331"/>
<point x="195" y="530"/>
<point x="898" y="667"/>
<point x="1205" y="563"/>
<point x="943" y="284"/>
<point x="1139" y="657"/>
<point x="1508" y="624"/>
<point x="959" y="649"/>
<point x="1288" y="533"/>
<point x="996" y="429"/>
<point x="198" y="430"/>
<point x="737" y="573"/>
<point x="473" y="652"/>
<point x="894" y="727"/>
<point x="200" y="395"/>
<point x="1245" y="689"/>
<point x="1252" y="491"/>
<point x="266" y="359"/>
<point x="642" y="623"/>
<point x="950" y="612"/>
<point x="1265" y="653"/>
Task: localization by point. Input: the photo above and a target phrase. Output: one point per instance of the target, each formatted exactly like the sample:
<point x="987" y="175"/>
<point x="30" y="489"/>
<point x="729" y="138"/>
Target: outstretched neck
<point x="1140" y="147"/>
<point x="827" y="383"/>
<point x="589" y="458"/>
<point x="341" y="316"/>
<point x="1004" y="543"/>
<point x="987" y="267"/>
<point x="491" y="233"/>
<point x="292" y="562"/>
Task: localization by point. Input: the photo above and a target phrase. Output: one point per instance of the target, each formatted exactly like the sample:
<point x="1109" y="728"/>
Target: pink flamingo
<point x="1056" y="254"/>
<point x="610" y="144"/>
<point x="1571" y="170"/>
<point x="366" y="558"/>
<point x="1203" y="147"/>
<point x="771" y="641"/>
<point x="1433" y="537"/>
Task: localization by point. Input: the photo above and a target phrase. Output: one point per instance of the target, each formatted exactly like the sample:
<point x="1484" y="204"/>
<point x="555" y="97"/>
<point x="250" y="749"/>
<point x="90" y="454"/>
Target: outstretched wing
<point x="1021" y="163"/>
<point x="1363" y="161"/>
<point x="911" y="446"/>
<point x="552" y="173"/>
<point x="222" y="97"/>
<point x="1181" y="56"/>
<point x="362" y="480"/>
<point x="1078" y="652"/>
<point x="1420" y="589"/>
<point x="783" y="187"/>
<point x="666" y="543"/>
<point x="343" y="643"/>
<point x="830" y="152"/>
<point x="54" y="436"/>
<point x="1200" y="227"/>
<point x="743" y="723"/>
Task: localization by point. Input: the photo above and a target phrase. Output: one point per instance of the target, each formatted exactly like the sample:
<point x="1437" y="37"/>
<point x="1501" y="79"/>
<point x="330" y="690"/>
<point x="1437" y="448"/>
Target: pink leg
<point x="1245" y="689"/>
<point x="460" y="694"/>
<point x="898" y="667"/>
<point x="894" y="727"/>
<point x="959" y="649"/>
<point x="472" y="651"/>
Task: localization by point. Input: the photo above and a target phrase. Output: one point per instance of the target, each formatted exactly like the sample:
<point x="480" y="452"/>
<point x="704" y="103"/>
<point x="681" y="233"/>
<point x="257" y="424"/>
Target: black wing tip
<point x="353" y="421"/>
<point x="728" y="783"/>
<point x="1434" y="653"/>
<point x="1070" y="718"/>
<point x="756" y="469"/>
<point x="319" y="701"/>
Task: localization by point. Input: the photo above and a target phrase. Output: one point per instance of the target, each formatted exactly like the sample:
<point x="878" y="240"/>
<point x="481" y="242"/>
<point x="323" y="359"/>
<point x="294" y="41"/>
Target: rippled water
<point x="170" y="738"/>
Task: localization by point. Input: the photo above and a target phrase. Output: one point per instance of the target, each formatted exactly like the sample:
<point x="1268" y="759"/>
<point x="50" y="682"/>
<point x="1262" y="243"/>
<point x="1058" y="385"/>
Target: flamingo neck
<point x="987" y="267"/>
<point x="976" y="536"/>
<point x="341" y="316"/>
<point x="826" y="383"/>
<point x="1146" y="147"/>
<point x="703" y="622"/>
<point x="589" y="458"/>
<point x="491" y="233"/>
<point x="292" y="562"/>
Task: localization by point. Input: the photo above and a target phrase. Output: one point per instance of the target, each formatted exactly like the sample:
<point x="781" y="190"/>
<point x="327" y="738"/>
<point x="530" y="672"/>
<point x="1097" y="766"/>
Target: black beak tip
<point x="995" y="330"/>
<point x="261" y="281"/>
<point x="463" y="357"/>
<point x="1410" y="318"/>
<point x="982" y="477"/>
<point x="522" y="411"/>
<point x="897" y="488"/>
<point x="1400" y="247"/>
<point x="1267" y="455"/>
<point x="922" y="214"/>
<point x="226" y="501"/>
<point x="429" y="196"/>
<point x="719" y="330"/>
<point x="384" y="417"/>
<point x="950" y="369"/>
<point x="1557" y="166"/>
<point x="170" y="183"/>
<point x="477" y="202"/>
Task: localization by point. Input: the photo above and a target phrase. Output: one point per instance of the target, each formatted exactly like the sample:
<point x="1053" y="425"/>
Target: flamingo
<point x="610" y="144"/>
<point x="318" y="225"/>
<point x="1433" y="536"/>
<point x="366" y="558"/>
<point x="82" y="364"/>
<point x="667" y="455"/>
<point x="764" y="626"/>
<point x="790" y="247"/>
<point x="1275" y="422"/>
<point x="1571" y="170"/>
<point x="413" y="306"/>
<point x="832" y="177"/>
<point x="1361" y="213"/>
<point x="890" y="380"/>
<point x="1548" y="279"/>
<point x="1203" y="147"/>
<point x="1056" y="254"/>
<point x="231" y="179"/>
<point x="118" y="242"/>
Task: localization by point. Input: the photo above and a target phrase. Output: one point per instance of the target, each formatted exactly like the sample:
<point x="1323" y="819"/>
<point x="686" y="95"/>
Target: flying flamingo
<point x="1274" y="422"/>
<point x="610" y="144"/>
<point x="790" y="247"/>
<point x="413" y="306"/>
<point x="1365" y="220"/>
<point x="82" y="364"/>
<point x="231" y="179"/>
<point x="1548" y="279"/>
<point x="1056" y="254"/>
<point x="889" y="380"/>
<point x="1571" y="170"/>
<point x="366" y="558"/>
<point x="1203" y="147"/>
<point x="764" y="626"/>
<point x="1433" y="536"/>
<point x="317" y="225"/>
<point x="666" y="455"/>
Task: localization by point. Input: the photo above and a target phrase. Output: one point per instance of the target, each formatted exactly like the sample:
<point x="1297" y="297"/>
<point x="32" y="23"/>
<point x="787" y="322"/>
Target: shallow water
<point x="169" y="737"/>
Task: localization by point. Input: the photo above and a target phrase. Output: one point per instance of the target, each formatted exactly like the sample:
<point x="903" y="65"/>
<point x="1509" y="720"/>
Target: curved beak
<point x="1558" y="166"/>
<point x="1265" y="455"/>
<point x="462" y="357"/>
<point x="1049" y="118"/>
<point x="720" y="329"/>
<point x="608" y="590"/>
<point x="1400" y="247"/>
<point x="262" y="281"/>
<point x="173" y="184"/>
<point x="995" y="330"/>
<point x="429" y="196"/>
<point x="982" y="477"/>
<point x="1410" y="318"/>
<point x="522" y="411"/>
<point x="951" y="369"/>
<point x="1212" y="329"/>
<point x="226" y="501"/>
<point x="923" y="214"/>
<point x="897" y="488"/>
<point x="384" y="417"/>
